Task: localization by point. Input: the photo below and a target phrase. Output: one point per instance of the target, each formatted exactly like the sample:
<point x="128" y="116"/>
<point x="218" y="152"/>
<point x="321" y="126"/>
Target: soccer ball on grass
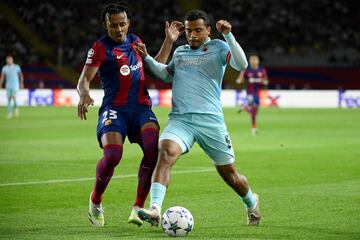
<point x="177" y="221"/>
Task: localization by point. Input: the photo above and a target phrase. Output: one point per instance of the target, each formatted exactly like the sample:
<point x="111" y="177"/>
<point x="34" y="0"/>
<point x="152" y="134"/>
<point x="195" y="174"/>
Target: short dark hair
<point x="114" y="8"/>
<point x="197" y="14"/>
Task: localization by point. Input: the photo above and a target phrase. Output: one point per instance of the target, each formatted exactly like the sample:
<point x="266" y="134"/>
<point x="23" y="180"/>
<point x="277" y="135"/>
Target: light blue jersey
<point x="11" y="75"/>
<point x="197" y="77"/>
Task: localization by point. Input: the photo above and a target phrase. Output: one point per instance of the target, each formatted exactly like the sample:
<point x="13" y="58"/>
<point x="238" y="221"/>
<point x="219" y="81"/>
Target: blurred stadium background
<point x="303" y="43"/>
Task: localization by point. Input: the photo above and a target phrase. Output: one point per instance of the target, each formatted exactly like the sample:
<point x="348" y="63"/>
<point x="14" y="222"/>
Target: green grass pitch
<point x="305" y="164"/>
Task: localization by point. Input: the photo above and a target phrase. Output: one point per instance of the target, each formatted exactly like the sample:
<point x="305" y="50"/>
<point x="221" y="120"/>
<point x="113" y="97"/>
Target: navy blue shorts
<point x="126" y="121"/>
<point x="253" y="99"/>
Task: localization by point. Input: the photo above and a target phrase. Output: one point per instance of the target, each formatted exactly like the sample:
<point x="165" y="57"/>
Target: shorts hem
<point x="226" y="162"/>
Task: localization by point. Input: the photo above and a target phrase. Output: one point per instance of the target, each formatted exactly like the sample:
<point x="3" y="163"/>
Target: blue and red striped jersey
<point x="121" y="71"/>
<point x="254" y="79"/>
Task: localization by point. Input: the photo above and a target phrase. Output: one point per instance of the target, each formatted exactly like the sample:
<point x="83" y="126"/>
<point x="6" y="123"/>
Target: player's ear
<point x="208" y="28"/>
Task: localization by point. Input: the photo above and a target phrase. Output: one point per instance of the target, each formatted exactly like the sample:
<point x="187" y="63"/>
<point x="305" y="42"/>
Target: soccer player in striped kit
<point x="126" y="106"/>
<point x="254" y="77"/>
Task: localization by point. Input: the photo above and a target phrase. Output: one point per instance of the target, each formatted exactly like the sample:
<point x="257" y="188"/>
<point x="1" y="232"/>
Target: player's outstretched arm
<point x="238" y="59"/>
<point x="21" y="77"/>
<point x="172" y="33"/>
<point x="159" y="69"/>
<point x="83" y="89"/>
<point x="240" y="78"/>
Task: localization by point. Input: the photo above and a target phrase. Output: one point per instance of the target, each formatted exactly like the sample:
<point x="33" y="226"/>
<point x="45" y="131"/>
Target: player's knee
<point x="168" y="154"/>
<point x="150" y="137"/>
<point x="112" y="155"/>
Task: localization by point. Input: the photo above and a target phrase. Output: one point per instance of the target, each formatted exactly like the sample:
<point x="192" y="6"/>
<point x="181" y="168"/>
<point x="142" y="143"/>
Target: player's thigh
<point x="250" y="99"/>
<point x="180" y="131"/>
<point x="111" y="128"/>
<point x="139" y="121"/>
<point x="11" y="93"/>
<point x="213" y="137"/>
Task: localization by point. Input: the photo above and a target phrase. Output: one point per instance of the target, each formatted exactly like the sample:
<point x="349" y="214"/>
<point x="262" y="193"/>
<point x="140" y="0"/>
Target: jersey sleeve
<point x="18" y="69"/>
<point x="265" y="73"/>
<point x="138" y="40"/>
<point x="96" y="55"/>
<point x="171" y="66"/>
<point x="3" y="70"/>
<point x="225" y="54"/>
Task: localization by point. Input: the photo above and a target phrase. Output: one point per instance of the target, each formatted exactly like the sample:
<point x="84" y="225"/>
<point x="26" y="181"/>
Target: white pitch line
<point x="92" y="178"/>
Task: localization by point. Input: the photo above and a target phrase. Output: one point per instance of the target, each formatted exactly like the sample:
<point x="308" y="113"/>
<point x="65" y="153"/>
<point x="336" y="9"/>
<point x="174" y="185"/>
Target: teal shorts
<point x="208" y="130"/>
<point x="11" y="92"/>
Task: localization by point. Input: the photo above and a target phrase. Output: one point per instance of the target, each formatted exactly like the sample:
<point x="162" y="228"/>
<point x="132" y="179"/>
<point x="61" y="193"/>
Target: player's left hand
<point x="173" y="30"/>
<point x="223" y="26"/>
<point x="84" y="102"/>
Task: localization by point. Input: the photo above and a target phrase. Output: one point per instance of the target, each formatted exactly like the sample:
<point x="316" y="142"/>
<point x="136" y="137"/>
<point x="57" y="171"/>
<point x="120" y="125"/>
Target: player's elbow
<point x="245" y="65"/>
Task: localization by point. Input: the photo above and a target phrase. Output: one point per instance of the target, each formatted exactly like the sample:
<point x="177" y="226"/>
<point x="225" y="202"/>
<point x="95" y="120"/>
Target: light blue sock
<point x="249" y="199"/>
<point x="157" y="193"/>
<point x="10" y="106"/>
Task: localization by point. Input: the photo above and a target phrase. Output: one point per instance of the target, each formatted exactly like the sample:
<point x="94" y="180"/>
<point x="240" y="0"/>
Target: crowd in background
<point x="319" y="32"/>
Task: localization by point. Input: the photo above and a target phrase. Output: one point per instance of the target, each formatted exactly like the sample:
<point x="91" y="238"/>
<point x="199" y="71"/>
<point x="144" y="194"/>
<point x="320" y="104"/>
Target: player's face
<point x="196" y="32"/>
<point x="254" y="61"/>
<point x="9" y="60"/>
<point x="117" y="26"/>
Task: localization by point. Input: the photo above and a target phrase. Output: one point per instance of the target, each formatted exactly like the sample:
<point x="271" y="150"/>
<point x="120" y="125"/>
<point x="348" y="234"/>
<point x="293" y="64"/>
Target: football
<point x="177" y="221"/>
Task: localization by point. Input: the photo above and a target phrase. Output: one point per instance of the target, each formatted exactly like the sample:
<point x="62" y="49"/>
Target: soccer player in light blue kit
<point x="14" y="78"/>
<point x="196" y="72"/>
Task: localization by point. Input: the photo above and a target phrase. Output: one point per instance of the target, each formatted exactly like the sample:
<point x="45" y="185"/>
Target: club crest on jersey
<point x="125" y="70"/>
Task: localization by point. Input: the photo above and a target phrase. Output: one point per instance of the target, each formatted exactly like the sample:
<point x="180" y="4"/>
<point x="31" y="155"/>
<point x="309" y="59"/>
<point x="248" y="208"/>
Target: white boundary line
<point x="92" y="178"/>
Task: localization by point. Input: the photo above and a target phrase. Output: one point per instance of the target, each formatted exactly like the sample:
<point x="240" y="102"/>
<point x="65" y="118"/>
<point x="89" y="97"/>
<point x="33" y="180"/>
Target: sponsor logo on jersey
<point x="136" y="67"/>
<point x="191" y="61"/>
<point x="125" y="69"/>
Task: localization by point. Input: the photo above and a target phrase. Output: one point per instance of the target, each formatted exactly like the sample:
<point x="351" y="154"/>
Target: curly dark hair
<point x="114" y="8"/>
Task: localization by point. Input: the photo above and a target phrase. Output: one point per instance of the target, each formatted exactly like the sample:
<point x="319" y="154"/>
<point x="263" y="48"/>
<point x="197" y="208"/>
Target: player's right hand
<point x="173" y="30"/>
<point x="84" y="103"/>
<point x="141" y="49"/>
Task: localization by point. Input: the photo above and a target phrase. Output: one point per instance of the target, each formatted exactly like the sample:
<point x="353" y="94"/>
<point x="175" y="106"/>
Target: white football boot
<point x="96" y="214"/>
<point x="253" y="214"/>
<point x="151" y="215"/>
